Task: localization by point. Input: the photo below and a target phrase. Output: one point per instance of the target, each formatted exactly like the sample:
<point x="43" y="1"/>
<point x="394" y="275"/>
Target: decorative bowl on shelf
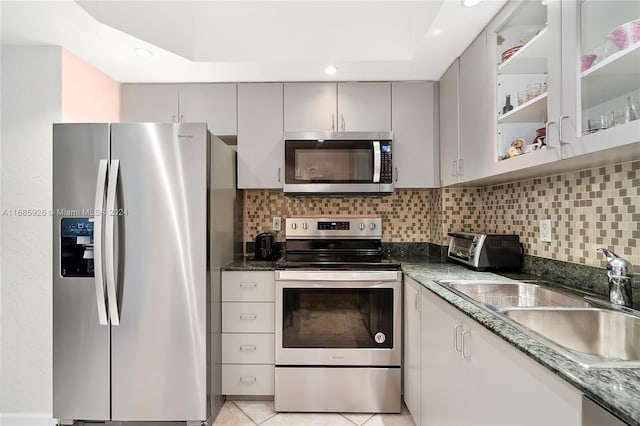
<point x="626" y="34"/>
<point x="587" y="61"/>
<point x="510" y="52"/>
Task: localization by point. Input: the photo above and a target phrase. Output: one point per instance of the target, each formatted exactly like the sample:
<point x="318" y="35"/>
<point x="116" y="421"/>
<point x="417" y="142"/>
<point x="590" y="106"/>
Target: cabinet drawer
<point x="248" y="286"/>
<point x="248" y="348"/>
<point x="248" y="317"/>
<point x="247" y="379"/>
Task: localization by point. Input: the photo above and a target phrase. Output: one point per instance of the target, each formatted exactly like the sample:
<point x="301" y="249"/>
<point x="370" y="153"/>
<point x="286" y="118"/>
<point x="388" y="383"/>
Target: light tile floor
<point x="251" y="413"/>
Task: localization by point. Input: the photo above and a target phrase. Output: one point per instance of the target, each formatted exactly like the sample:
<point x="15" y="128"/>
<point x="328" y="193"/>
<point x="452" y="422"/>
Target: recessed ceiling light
<point x="330" y="69"/>
<point x="471" y="3"/>
<point x="436" y="31"/>
<point x="140" y="51"/>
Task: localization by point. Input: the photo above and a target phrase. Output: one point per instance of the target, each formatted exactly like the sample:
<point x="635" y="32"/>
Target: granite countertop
<point x="617" y="389"/>
<point x="250" y="265"/>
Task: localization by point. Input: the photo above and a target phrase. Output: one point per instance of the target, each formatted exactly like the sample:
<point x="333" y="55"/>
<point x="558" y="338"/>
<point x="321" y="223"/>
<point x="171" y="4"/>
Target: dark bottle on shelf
<point x="507" y="106"/>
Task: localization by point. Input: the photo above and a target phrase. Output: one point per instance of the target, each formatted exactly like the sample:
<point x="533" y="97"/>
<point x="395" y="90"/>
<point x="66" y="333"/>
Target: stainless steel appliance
<point x="136" y="277"/>
<point x="485" y="251"/>
<point x="347" y="162"/>
<point x="266" y="247"/>
<point x="338" y="318"/>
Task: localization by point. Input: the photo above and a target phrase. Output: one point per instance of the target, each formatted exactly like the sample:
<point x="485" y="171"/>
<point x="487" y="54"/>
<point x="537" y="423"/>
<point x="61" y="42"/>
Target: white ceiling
<point x="198" y="41"/>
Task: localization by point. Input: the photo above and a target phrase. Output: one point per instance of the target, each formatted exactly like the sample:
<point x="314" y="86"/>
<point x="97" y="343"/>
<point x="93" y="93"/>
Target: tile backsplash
<point x="598" y="207"/>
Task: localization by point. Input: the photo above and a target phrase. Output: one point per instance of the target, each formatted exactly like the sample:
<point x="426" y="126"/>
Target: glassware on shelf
<point x="522" y="97"/>
<point x="631" y="113"/>
<point x="534" y="90"/>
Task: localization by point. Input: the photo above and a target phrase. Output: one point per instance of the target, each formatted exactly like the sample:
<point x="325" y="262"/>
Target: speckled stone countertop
<point x="250" y="265"/>
<point x="617" y="389"/>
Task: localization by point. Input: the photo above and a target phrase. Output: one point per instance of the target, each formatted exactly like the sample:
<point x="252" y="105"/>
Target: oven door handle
<point x="376" y="161"/>
<point x="362" y="276"/>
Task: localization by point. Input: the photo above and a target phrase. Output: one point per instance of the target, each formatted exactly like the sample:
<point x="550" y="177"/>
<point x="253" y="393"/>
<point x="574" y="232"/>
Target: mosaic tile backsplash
<point x="598" y="207"/>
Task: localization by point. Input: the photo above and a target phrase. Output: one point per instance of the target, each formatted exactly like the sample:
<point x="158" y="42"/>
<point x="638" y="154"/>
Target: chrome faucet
<point x="620" y="274"/>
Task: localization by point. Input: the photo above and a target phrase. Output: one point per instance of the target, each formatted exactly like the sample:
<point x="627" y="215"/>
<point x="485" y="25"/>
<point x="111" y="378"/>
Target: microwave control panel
<point x="386" y="166"/>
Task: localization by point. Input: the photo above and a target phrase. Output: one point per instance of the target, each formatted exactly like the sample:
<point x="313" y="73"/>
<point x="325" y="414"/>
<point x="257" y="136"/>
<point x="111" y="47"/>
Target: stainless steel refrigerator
<point x="143" y="220"/>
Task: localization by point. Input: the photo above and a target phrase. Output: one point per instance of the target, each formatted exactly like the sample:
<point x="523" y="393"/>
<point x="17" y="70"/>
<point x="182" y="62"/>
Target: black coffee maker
<point x="266" y="247"/>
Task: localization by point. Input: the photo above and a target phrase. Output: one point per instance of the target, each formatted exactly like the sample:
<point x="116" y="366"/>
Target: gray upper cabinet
<point x="211" y="103"/>
<point x="449" y="130"/>
<point x="337" y="107"/>
<point x="415" y="124"/>
<point x="364" y="107"/>
<point x="260" y="149"/>
<point x="310" y="107"/>
<point x="156" y="103"/>
<point x="477" y="138"/>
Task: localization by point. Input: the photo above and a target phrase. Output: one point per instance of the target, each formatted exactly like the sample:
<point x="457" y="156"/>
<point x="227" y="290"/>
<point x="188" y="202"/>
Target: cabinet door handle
<point x="342" y="119"/>
<point x="247" y="379"/>
<point x="546" y="131"/>
<point x="461" y="167"/>
<point x="181" y="118"/>
<point x="561" y="139"/>
<point x="464" y="353"/>
<point x="173" y="119"/>
<point x="454" y="168"/>
<point x="456" y="333"/>
<point x="279" y="174"/>
<point x="248" y="285"/>
<point x="248" y="317"/>
<point x="333" y="122"/>
<point x="248" y="348"/>
<point x="416" y="302"/>
<point x="396" y="173"/>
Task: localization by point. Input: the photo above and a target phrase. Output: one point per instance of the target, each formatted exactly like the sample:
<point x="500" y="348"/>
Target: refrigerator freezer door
<point x="159" y="348"/>
<point x="80" y="343"/>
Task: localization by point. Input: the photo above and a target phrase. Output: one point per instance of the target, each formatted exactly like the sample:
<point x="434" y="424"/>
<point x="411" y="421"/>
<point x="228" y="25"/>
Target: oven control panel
<point x="333" y="227"/>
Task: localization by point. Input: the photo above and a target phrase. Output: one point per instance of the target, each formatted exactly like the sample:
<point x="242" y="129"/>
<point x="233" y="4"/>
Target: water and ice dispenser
<point x="76" y="247"/>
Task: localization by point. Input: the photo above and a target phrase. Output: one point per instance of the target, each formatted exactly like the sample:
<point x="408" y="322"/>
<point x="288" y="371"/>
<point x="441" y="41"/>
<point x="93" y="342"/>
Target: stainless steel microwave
<point x="338" y="163"/>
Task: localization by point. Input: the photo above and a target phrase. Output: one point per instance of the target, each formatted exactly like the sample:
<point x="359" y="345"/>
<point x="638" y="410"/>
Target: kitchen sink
<point x="497" y="294"/>
<point x="592" y="336"/>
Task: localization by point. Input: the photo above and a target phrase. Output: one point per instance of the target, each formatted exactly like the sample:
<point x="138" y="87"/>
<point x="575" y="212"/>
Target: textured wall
<point x="31" y="102"/>
<point x="592" y="208"/>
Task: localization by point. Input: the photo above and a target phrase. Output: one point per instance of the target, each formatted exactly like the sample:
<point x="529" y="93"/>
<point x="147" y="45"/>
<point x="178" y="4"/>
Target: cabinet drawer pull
<point x="456" y="333"/>
<point x="248" y="317"/>
<point x="248" y="348"/>
<point x="464" y="353"/>
<point x="248" y="285"/>
<point x="247" y="379"/>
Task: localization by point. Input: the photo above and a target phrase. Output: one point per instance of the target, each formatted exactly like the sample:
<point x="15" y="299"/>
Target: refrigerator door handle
<point x="97" y="242"/>
<point x="109" y="246"/>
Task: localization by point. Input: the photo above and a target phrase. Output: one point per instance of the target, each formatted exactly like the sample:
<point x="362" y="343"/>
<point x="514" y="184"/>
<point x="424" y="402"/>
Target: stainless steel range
<point x="338" y="318"/>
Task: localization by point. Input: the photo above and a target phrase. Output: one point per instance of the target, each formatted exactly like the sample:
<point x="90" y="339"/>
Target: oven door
<point x="337" y="162"/>
<point x="326" y="318"/>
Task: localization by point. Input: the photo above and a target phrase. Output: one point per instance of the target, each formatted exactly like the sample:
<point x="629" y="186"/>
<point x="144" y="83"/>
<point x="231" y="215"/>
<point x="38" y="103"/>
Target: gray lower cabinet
<point x="468" y="375"/>
<point x="248" y="338"/>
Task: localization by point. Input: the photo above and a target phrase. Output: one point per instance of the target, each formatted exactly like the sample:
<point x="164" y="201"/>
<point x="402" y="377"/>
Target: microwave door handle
<point x="376" y="161"/>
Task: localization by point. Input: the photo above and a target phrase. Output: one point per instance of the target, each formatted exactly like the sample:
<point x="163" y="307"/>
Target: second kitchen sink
<point x="514" y="294"/>
<point x="595" y="336"/>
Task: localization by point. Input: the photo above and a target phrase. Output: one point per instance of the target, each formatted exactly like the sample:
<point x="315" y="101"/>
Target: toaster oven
<point x="485" y="251"/>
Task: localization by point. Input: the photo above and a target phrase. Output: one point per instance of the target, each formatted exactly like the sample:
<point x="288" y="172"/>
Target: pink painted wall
<point x="88" y="95"/>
